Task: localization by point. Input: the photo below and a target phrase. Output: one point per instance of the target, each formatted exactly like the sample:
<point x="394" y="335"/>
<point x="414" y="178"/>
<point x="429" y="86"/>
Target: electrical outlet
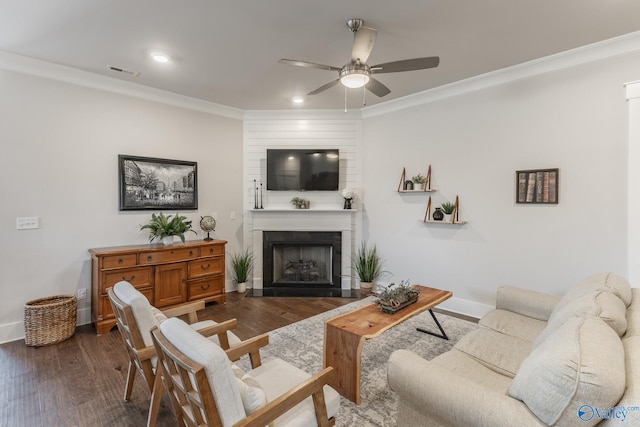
<point x="232" y="215"/>
<point x="27" y="223"/>
<point x="82" y="293"/>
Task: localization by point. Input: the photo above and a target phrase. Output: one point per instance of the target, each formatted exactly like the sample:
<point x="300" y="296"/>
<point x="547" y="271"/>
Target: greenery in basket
<point x="298" y="202"/>
<point x="395" y="295"/>
<point x="368" y="263"/>
<point x="242" y="264"/>
<point x="448" y="207"/>
<point x="164" y="226"/>
<point x="419" y="179"/>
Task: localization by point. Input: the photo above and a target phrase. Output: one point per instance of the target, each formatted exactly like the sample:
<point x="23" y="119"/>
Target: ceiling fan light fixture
<point x="355" y="76"/>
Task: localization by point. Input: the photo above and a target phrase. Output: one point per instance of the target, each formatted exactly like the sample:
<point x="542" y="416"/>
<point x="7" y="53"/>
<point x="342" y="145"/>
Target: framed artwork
<point x="537" y="186"/>
<point x="148" y="183"/>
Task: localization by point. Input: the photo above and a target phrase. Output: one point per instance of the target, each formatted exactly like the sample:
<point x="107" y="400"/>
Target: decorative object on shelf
<point x="258" y="195"/>
<point x="448" y="208"/>
<point x="418" y="181"/>
<point x="241" y="264"/>
<point x="207" y="224"/>
<point x="148" y="183"/>
<point x="438" y="215"/>
<point x="300" y="203"/>
<point x="396" y="297"/>
<point x="411" y="185"/>
<point x="348" y="195"/>
<point x="537" y="186"/>
<point x="161" y="226"/>
<point x="368" y="265"/>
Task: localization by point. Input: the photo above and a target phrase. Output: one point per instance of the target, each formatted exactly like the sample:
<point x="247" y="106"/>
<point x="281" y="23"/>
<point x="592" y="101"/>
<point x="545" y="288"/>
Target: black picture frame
<point x="149" y="183"/>
<point x="537" y="186"/>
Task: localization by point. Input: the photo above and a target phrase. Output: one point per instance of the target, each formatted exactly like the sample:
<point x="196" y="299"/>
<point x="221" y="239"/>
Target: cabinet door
<point x="171" y="284"/>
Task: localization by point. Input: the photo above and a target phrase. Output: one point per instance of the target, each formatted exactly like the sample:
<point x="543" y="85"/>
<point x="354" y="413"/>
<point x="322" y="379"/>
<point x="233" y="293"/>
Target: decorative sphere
<point x="207" y="223"/>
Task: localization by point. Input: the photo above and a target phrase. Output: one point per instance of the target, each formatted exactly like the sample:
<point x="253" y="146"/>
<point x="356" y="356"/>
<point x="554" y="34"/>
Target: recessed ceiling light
<point x="160" y="57"/>
<point x="298" y="100"/>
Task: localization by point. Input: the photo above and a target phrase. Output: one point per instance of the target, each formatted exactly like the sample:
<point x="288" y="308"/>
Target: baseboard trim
<point x="15" y="331"/>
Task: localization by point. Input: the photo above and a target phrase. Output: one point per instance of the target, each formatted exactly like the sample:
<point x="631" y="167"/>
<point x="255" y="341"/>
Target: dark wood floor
<point x="80" y="381"/>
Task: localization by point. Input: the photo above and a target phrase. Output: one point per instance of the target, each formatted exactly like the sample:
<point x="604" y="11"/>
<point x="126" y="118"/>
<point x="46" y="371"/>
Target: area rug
<point x="301" y="345"/>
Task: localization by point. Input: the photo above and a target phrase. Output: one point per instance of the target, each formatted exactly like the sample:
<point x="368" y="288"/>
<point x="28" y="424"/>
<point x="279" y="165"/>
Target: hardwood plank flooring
<point x="80" y="381"/>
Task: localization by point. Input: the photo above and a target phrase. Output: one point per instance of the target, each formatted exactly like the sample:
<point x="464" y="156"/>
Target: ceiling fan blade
<point x="324" y="87"/>
<point x="377" y="88"/>
<point x="308" y="64"/>
<point x="363" y="41"/>
<point x="406" y="65"/>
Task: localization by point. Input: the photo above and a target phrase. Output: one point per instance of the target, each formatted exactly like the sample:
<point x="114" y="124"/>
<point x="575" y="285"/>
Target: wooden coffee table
<point x="344" y="337"/>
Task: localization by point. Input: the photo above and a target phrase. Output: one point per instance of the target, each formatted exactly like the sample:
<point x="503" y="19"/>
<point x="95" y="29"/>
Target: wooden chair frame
<point x="140" y="355"/>
<point x="193" y="400"/>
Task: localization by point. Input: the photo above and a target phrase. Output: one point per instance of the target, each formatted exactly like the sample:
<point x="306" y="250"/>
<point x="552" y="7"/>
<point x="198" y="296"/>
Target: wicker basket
<point x="49" y="320"/>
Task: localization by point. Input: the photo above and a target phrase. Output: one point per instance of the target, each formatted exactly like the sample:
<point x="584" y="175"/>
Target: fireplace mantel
<point x="326" y="219"/>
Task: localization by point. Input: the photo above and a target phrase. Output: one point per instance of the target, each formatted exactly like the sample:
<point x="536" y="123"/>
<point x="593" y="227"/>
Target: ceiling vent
<point x="123" y="70"/>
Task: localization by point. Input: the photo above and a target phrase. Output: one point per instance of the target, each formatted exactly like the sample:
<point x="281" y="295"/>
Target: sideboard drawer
<point x="120" y="261"/>
<point x="212" y="250"/>
<point x="205" y="267"/>
<point x="138" y="277"/>
<point x="178" y="254"/>
<point x="206" y="288"/>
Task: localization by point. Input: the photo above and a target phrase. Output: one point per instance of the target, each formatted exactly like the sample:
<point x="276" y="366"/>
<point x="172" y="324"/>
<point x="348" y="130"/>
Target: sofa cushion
<point x="581" y="362"/>
<point x="461" y="364"/>
<point x="498" y="352"/>
<point x="632" y="392"/>
<point x="602" y="304"/>
<point x="514" y="324"/>
<point x="609" y="282"/>
<point x="633" y="314"/>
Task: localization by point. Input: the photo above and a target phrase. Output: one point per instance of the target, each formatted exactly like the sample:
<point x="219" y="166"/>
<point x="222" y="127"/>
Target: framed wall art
<point x="537" y="186"/>
<point x="147" y="183"/>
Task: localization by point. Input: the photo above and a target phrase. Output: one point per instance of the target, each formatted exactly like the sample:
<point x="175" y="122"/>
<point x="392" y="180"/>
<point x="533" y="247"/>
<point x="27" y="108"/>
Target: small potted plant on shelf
<point x="368" y="265"/>
<point x="448" y="208"/>
<point x="418" y="181"/>
<point x="300" y="203"/>
<point x="241" y="264"/>
<point x="395" y="297"/>
<point x="163" y="227"/>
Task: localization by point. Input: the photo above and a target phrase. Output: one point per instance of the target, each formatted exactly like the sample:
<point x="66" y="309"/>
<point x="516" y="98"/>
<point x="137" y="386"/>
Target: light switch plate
<point x="27" y="223"/>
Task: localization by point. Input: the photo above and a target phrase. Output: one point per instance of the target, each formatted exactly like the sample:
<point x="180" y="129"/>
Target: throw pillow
<point x="251" y="392"/>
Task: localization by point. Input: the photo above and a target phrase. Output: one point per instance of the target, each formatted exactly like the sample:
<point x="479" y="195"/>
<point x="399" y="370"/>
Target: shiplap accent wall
<point x="303" y="129"/>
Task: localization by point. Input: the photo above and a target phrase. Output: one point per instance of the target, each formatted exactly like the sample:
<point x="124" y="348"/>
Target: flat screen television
<point x="303" y="169"/>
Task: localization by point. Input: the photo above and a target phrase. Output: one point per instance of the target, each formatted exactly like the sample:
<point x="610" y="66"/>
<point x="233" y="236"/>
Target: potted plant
<point x="241" y="264"/>
<point x="164" y="228"/>
<point x="299" y="203"/>
<point x="368" y="265"/>
<point x="395" y="297"/>
<point x="448" y="208"/>
<point x="418" y="181"/>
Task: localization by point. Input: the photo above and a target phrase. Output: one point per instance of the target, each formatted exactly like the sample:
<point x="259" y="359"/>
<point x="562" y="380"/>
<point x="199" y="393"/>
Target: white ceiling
<point x="227" y="51"/>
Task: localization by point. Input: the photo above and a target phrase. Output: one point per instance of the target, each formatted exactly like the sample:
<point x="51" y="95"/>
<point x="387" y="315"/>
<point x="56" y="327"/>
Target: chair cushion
<point x="216" y="365"/>
<point x="277" y="377"/>
<point x="233" y="338"/>
<point x="581" y="362"/>
<point x="143" y="311"/>
<point x="252" y="395"/>
<point x="602" y="304"/>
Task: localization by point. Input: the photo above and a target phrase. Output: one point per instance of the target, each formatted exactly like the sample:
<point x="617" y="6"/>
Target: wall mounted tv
<point x="303" y="169"/>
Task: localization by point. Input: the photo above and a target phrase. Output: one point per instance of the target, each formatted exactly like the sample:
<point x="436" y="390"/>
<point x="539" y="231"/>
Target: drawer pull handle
<point x="133" y="276"/>
<point x="204" y="288"/>
<point x="172" y="252"/>
<point x="190" y="253"/>
<point x="205" y="267"/>
<point x="120" y="260"/>
<point x="211" y="251"/>
<point x="149" y="258"/>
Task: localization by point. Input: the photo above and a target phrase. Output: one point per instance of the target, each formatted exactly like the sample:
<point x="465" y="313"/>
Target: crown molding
<point x="354" y="114"/>
<point x="594" y="52"/>
<point x="39" y="68"/>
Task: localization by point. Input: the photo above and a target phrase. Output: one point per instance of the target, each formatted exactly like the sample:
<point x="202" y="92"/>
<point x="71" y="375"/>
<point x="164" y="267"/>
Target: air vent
<point x="123" y="70"/>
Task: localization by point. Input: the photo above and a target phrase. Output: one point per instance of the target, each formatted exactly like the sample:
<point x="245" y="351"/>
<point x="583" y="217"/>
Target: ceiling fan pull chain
<point x="364" y="95"/>
<point x="345" y="100"/>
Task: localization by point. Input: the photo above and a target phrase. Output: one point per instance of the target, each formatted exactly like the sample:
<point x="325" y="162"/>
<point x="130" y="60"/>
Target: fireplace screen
<point x="308" y="264"/>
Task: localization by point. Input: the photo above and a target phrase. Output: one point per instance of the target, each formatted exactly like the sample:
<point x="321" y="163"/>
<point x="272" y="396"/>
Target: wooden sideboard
<point x="166" y="274"/>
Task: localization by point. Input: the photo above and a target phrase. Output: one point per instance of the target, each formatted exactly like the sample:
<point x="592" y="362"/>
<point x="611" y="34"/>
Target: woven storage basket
<point x="49" y="320"/>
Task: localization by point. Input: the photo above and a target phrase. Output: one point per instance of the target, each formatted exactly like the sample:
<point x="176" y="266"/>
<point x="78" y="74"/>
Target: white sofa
<point x="535" y="360"/>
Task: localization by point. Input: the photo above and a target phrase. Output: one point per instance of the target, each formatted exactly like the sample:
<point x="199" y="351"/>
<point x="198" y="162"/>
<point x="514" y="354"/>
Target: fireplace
<point x="302" y="259"/>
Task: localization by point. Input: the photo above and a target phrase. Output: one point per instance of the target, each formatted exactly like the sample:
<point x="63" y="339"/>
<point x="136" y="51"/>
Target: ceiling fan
<point x="357" y="72"/>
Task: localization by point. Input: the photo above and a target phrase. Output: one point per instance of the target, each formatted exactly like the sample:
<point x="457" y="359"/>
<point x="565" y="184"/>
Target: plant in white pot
<point x="448" y="208"/>
<point x="241" y="264"/>
<point x="368" y="265"/>
<point x="418" y="181"/>
<point x="163" y="228"/>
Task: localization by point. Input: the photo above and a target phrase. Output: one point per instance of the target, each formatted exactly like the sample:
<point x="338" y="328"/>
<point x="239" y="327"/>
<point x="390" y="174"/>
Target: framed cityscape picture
<point x="148" y="183"/>
<point x="537" y="186"/>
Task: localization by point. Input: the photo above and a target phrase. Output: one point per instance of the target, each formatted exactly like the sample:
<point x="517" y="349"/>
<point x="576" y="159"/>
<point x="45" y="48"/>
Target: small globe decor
<point x="207" y="224"/>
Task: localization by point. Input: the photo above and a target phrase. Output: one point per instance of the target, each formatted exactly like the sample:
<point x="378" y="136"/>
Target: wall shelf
<point x="426" y="188"/>
<point x="455" y="220"/>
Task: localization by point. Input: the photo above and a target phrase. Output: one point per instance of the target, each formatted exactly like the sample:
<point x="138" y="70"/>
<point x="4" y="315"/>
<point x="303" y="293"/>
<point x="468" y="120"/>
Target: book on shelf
<point x="522" y="187"/>
<point x="531" y="187"/>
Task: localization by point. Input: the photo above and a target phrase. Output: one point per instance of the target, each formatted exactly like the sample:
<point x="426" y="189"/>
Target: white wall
<point x="60" y="144"/>
<point x="574" y="119"/>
